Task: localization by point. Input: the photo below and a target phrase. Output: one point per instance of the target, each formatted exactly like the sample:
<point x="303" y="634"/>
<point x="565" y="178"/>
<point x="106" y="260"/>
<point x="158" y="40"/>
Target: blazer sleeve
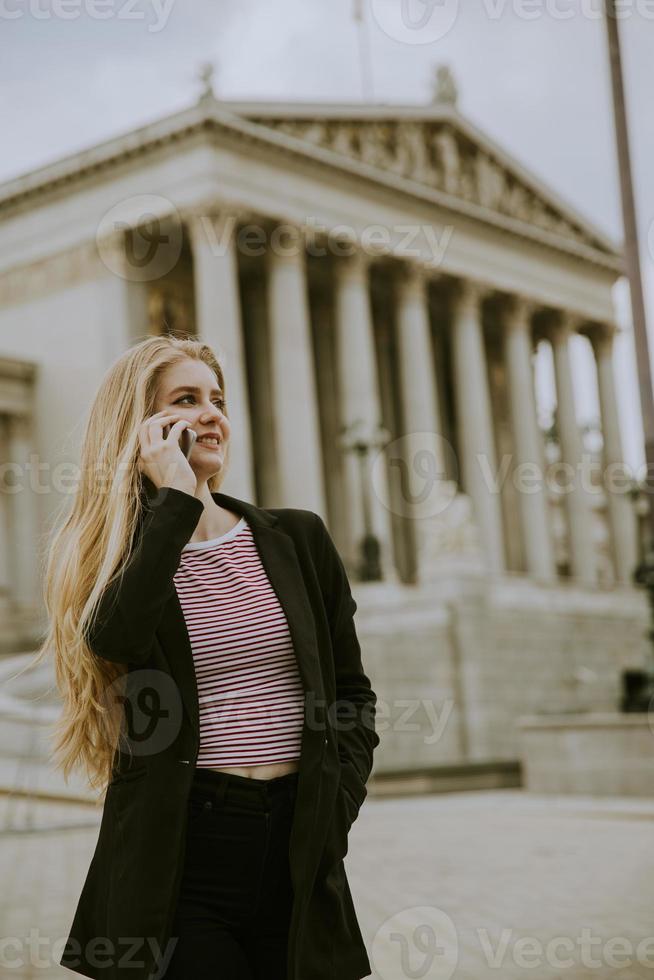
<point x="130" y="609"/>
<point x="356" y="700"/>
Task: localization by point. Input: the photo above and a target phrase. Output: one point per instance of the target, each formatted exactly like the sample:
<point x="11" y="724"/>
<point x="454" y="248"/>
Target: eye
<point x="220" y="402"/>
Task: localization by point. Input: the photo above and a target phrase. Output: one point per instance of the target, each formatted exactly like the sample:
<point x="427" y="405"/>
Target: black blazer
<point x="122" y="924"/>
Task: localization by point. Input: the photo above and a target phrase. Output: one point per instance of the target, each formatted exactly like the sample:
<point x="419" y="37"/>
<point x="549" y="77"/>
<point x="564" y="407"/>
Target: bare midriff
<point x="269" y="770"/>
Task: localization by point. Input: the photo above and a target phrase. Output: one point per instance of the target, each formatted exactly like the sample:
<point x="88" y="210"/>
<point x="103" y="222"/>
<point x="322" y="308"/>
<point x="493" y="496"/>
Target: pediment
<point x="447" y="155"/>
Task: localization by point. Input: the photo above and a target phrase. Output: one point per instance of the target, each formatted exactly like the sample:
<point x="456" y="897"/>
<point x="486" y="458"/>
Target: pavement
<point x="496" y="884"/>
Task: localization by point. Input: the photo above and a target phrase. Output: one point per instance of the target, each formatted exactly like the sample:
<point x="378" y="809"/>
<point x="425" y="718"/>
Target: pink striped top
<point x="249" y="687"/>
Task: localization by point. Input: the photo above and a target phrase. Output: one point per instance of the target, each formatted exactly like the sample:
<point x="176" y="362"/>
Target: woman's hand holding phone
<point x="186" y="440"/>
<point x="162" y="459"/>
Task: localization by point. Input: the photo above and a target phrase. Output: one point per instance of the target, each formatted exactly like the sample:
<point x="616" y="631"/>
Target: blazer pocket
<point x="344" y="814"/>
<point x="351" y="804"/>
<point x="351" y="781"/>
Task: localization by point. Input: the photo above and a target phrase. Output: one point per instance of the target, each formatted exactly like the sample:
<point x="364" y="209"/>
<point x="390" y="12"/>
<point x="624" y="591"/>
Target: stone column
<point x="8" y="461"/>
<point x="122" y="299"/>
<point x="532" y="496"/>
<point x="297" y="429"/>
<point x="474" y="420"/>
<point x="624" y="532"/>
<point x="423" y="447"/>
<point x="256" y="319"/>
<point x="219" y="324"/>
<point x="360" y="405"/>
<point x="582" y="552"/>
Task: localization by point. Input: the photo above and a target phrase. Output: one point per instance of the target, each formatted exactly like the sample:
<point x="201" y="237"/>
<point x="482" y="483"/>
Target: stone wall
<point x="454" y="665"/>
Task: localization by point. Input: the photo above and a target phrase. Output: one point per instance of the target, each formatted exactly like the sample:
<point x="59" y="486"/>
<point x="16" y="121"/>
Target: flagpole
<point x="641" y="696"/>
<point x="365" y="60"/>
<point x="631" y="246"/>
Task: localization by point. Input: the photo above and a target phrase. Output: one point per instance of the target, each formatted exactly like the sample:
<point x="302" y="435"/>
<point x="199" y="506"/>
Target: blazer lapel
<point x="279" y="558"/>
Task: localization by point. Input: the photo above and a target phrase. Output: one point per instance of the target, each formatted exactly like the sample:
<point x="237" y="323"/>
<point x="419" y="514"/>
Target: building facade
<point x="377" y="281"/>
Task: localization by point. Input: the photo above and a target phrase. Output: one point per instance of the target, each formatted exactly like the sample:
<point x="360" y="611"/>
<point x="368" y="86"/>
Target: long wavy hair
<point x="89" y="547"/>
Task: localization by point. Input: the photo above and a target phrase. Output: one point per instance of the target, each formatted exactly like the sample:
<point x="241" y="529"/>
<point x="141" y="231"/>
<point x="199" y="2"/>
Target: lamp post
<point x="361" y="439"/>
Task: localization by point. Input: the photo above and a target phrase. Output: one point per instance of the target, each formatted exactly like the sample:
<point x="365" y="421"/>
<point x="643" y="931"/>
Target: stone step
<point x="29" y="778"/>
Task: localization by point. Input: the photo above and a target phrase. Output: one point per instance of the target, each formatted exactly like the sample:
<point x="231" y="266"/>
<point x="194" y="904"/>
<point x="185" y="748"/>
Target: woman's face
<point x="189" y="390"/>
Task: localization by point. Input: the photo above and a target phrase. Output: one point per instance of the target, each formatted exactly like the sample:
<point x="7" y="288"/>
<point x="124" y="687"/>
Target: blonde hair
<point x="91" y="547"/>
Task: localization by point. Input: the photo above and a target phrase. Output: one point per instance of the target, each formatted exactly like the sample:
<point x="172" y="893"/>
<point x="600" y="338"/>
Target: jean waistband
<point x="211" y="782"/>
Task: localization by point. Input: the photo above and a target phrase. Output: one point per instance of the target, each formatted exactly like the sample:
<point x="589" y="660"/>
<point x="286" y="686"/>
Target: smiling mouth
<point x="208" y="443"/>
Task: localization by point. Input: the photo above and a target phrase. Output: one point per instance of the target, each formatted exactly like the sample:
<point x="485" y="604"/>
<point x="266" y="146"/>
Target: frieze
<point x="438" y="155"/>
<point x="50" y="274"/>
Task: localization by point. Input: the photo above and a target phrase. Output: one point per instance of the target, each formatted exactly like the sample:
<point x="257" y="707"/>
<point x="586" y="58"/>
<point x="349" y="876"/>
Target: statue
<point x="490" y="181"/>
<point x="448" y="161"/>
<point x="206" y="76"/>
<point x="445" y="87"/>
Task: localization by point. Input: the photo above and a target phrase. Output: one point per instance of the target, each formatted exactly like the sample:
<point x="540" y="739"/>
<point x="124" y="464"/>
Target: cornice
<point x="211" y="118"/>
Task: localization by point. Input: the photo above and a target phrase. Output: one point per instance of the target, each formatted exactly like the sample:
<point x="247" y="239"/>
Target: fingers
<point x="156" y="453"/>
<point x="153" y="427"/>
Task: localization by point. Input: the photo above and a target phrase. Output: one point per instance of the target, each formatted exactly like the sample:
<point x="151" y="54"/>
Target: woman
<point x="223" y="832"/>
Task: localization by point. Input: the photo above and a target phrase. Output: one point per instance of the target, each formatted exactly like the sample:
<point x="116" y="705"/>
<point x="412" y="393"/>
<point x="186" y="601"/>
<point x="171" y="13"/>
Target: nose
<point x="212" y="415"/>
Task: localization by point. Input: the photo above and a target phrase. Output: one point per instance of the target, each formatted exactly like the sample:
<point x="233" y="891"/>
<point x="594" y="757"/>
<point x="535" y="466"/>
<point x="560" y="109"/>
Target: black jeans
<point x="235" y="900"/>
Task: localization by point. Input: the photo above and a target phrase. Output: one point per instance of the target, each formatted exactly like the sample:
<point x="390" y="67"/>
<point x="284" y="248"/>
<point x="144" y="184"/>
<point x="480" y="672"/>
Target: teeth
<point x="209" y="440"/>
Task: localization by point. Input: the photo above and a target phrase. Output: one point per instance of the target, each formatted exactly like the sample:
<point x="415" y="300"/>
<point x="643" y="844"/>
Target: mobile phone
<point x="186" y="440"/>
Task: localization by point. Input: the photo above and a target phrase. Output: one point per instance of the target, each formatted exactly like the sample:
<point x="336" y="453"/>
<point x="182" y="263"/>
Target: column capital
<point x="600" y="334"/>
<point x="413" y="277"/>
<point x="287" y="240"/>
<point x="356" y="263"/>
<point x="218" y="212"/>
<point x="559" y="325"/>
<point x="467" y="293"/>
<point x="516" y="310"/>
<point x="213" y="225"/>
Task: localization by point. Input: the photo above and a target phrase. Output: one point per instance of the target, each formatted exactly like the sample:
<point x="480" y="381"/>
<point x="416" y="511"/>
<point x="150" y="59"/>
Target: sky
<point x="533" y="74"/>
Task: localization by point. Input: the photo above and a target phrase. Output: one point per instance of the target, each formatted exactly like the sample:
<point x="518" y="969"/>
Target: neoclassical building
<point x="379" y="282"/>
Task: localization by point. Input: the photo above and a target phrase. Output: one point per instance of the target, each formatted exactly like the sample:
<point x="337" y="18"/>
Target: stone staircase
<point x="29" y="707"/>
<point x="21" y="627"/>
